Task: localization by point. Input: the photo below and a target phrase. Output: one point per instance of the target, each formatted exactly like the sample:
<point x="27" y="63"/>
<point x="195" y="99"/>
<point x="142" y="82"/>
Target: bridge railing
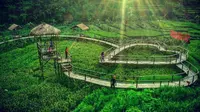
<point x="192" y="73"/>
<point x="180" y="49"/>
<point x="174" y="79"/>
<point x="108" y="51"/>
<point x="191" y="68"/>
<point x="177" y="57"/>
<point x="159" y="44"/>
<point x="151" y="59"/>
<point x="147" y="79"/>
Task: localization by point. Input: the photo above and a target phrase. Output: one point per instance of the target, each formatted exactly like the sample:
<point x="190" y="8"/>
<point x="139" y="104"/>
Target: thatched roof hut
<point x="44" y="29"/>
<point x="14" y="27"/>
<point x="82" y="26"/>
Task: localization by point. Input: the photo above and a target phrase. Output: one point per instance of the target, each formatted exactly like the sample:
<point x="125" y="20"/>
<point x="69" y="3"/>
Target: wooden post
<point x="181" y="57"/>
<point x="136" y="78"/>
<point x="189" y="67"/>
<point x="40" y="57"/>
<point x="58" y="70"/>
<point x="42" y="69"/>
<point x="160" y="83"/>
<point x="69" y="73"/>
<point x="182" y="66"/>
<point x="61" y="70"/>
<point x="55" y="68"/>
<point x="193" y="79"/>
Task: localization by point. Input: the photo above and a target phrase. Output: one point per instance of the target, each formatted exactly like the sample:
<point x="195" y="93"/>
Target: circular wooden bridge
<point x="180" y="60"/>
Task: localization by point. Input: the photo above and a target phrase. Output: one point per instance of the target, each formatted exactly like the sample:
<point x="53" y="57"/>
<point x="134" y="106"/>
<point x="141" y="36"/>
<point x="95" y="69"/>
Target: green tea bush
<point x="163" y="99"/>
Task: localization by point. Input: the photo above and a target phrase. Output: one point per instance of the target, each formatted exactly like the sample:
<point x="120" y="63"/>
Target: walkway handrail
<point x="90" y="73"/>
<point x="178" y="48"/>
<point x="182" y="56"/>
<point x="63" y="36"/>
<point x="108" y="51"/>
<point x="161" y="44"/>
<point x="137" y="56"/>
<point x="195" y="68"/>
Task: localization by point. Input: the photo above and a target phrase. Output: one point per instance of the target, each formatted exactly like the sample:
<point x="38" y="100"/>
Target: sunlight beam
<point x="123" y="10"/>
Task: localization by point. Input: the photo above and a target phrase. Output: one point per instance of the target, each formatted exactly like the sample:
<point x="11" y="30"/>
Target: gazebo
<point x="81" y="26"/>
<point x="14" y="28"/>
<point x="46" y="37"/>
<point x="44" y="29"/>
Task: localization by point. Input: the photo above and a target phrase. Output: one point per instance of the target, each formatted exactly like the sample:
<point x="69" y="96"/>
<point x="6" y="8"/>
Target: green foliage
<point x="93" y="33"/>
<point x="22" y="90"/>
<point x="19" y="75"/>
<point x="86" y="56"/>
<point x="133" y="109"/>
<point x="55" y="11"/>
<point x="163" y="99"/>
<point x="141" y="33"/>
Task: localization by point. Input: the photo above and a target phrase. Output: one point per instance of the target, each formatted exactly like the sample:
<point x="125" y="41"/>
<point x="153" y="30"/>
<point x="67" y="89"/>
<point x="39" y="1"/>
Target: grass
<point x="21" y="86"/>
<point x="86" y="56"/>
<point x="106" y="100"/>
<point x="141" y="28"/>
<point x="143" y="32"/>
<point x="194" y="48"/>
<point x="100" y="33"/>
<point x="112" y="31"/>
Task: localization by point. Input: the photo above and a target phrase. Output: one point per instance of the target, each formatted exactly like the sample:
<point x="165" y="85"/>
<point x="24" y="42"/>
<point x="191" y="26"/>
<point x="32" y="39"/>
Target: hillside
<point x="160" y="69"/>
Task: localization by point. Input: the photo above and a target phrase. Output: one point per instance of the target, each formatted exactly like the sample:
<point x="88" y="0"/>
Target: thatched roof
<point x="13" y="27"/>
<point x="44" y="29"/>
<point x="82" y="26"/>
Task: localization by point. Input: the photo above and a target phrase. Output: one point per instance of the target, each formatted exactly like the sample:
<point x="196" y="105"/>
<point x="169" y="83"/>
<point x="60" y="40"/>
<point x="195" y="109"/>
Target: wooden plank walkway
<point x="108" y="58"/>
<point x="68" y="36"/>
<point x="191" y="77"/>
<point x="12" y="40"/>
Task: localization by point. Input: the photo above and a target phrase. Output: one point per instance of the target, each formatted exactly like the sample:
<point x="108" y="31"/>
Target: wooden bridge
<point x="182" y="56"/>
<point x="186" y="81"/>
<point x="66" y="67"/>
